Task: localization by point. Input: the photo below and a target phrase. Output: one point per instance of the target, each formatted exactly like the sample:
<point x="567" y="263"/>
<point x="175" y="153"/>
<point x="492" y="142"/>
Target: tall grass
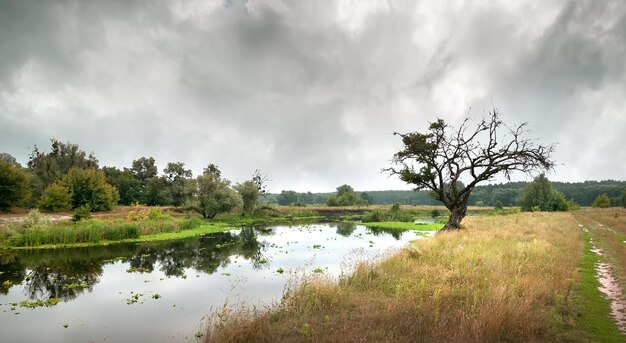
<point x="504" y="278"/>
<point x="90" y="231"/>
<point x="35" y="230"/>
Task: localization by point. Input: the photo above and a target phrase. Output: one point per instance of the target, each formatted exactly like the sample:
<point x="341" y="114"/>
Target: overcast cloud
<point x="309" y="91"/>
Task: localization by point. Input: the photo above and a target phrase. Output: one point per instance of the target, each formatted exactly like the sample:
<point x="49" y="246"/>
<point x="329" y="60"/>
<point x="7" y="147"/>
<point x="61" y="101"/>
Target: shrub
<point x="498" y="205"/>
<point x="89" y="187"/>
<point x="13" y="185"/>
<point x="395" y="214"/>
<point x="34" y="218"/>
<point x="56" y="197"/>
<point x="602" y="201"/>
<point x="81" y="213"/>
<point x="155" y="213"/>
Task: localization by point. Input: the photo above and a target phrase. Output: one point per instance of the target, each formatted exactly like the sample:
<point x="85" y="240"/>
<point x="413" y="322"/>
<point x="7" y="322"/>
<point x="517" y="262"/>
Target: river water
<point x="162" y="292"/>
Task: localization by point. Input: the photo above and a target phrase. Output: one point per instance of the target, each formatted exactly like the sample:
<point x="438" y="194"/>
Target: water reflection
<point x="66" y="273"/>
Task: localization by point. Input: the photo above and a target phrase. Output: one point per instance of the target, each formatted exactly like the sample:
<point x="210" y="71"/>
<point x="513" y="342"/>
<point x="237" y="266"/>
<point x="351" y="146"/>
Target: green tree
<point x="624" y="199"/>
<point x="129" y="188"/>
<point x="602" y="201"/>
<point x="537" y="194"/>
<point x="176" y="175"/>
<point x="56" y="197"/>
<point x="156" y="192"/>
<point x="214" y="195"/>
<point x="366" y="197"/>
<point x="345" y="196"/>
<point x="287" y="198"/>
<point x="52" y="166"/>
<point x="249" y="193"/>
<point x="8" y="158"/>
<point x="439" y="159"/>
<point x="89" y="187"/>
<point x="13" y="185"/>
<point x="143" y="169"/>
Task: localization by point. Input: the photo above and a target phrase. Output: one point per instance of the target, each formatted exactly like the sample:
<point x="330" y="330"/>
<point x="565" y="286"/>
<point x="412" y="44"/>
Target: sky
<point x="310" y="92"/>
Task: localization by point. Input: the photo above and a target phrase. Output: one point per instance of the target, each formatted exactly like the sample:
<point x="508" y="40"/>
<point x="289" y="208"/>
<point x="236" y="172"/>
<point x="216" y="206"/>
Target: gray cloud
<point x="310" y="92"/>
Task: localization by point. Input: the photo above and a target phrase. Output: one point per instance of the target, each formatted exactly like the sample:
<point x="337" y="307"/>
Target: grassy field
<point x="517" y="278"/>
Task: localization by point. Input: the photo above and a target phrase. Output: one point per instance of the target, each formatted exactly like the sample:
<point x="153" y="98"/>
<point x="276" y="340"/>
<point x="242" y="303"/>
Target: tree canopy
<point x="13" y="185"/>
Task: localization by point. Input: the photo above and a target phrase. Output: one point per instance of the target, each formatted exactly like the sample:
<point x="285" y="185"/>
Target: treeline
<point x="67" y="178"/>
<point x="508" y="194"/>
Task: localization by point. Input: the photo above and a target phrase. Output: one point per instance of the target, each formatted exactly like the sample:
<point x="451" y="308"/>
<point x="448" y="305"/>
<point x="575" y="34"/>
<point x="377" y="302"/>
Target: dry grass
<point x="503" y="278"/>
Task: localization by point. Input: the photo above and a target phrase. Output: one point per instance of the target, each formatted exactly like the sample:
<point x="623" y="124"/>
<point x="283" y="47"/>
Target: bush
<point x="395" y="214"/>
<point x="498" y="206"/>
<point x="56" y="197"/>
<point x="602" y="201"/>
<point x="81" y="213"/>
<point x="155" y="213"/>
<point x="13" y="185"/>
<point x="191" y="223"/>
<point x="34" y="218"/>
<point x="89" y="187"/>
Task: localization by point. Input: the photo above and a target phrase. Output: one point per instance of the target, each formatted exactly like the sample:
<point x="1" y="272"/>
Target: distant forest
<point x="583" y="193"/>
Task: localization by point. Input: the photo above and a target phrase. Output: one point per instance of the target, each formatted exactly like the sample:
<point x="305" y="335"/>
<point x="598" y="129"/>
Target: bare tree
<point x="439" y="159"/>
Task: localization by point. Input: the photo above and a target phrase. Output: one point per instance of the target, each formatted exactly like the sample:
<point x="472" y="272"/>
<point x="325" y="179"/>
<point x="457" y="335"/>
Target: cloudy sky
<point x="309" y="91"/>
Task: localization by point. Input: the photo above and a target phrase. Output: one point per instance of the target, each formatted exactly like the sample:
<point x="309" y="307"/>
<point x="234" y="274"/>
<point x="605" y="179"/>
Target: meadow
<point x="527" y="277"/>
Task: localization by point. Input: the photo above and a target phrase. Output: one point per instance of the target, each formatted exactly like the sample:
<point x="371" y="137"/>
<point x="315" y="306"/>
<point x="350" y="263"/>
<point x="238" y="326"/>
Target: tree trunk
<point x="457" y="214"/>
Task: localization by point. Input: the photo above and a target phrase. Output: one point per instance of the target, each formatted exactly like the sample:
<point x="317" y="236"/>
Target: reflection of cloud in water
<point x="191" y="275"/>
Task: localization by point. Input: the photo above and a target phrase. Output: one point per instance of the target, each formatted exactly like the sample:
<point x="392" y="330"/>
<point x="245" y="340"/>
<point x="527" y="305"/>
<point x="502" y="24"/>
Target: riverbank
<point x="35" y="230"/>
<point x="502" y="278"/>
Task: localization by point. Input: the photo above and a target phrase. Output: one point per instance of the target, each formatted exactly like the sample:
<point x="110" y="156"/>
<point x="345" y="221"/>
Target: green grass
<point x="198" y="231"/>
<point x="405" y="226"/>
<point x="594" y="309"/>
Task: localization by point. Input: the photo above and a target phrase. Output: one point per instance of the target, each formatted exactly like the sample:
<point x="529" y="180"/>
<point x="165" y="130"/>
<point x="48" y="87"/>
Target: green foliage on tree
<point x="13" y="185"/>
<point x="56" y="197"/>
<point x="129" y="187"/>
<point x="89" y="187"/>
<point x="602" y="201"/>
<point x="287" y="198"/>
<point x="176" y="176"/>
<point x="156" y="192"/>
<point x="345" y="196"/>
<point x="52" y="166"/>
<point x="143" y="169"/>
<point x="539" y="195"/>
<point x="249" y="193"/>
<point x="624" y="199"/>
<point x="214" y="195"/>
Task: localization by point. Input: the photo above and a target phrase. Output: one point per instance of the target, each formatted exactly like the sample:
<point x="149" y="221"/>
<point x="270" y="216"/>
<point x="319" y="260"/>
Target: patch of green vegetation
<point x="76" y="285"/>
<point x="156" y="296"/>
<point x="594" y="309"/>
<point x="199" y="231"/>
<point x="405" y="226"/>
<point x="138" y="270"/>
<point x="39" y="303"/>
<point x="317" y="246"/>
<point x="280" y="270"/>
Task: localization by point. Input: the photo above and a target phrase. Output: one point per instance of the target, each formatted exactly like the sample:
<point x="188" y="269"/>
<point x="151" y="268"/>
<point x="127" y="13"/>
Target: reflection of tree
<point x="395" y="233"/>
<point x="11" y="272"/>
<point x="345" y="228"/>
<point x="66" y="273"/>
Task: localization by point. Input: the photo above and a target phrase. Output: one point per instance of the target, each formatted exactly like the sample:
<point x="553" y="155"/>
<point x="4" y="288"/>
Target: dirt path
<point x="610" y="286"/>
